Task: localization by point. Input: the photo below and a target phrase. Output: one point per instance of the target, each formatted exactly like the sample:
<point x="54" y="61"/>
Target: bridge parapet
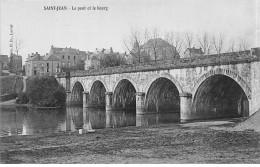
<point x="202" y="61"/>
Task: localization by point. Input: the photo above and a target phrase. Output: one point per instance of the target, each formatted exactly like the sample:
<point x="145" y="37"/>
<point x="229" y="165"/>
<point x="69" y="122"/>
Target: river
<point x="29" y="121"/>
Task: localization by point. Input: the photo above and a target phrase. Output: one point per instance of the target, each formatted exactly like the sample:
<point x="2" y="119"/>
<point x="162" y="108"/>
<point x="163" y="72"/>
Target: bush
<point x="22" y="98"/>
<point x="11" y="84"/>
<point x="45" y="91"/>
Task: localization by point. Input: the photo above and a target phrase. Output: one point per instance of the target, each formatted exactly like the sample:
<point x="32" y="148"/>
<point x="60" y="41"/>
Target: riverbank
<point x="12" y="103"/>
<point x="197" y="142"/>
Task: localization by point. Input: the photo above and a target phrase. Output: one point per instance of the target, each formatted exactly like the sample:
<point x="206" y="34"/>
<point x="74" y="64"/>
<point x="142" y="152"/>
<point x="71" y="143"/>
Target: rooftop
<point x="194" y="50"/>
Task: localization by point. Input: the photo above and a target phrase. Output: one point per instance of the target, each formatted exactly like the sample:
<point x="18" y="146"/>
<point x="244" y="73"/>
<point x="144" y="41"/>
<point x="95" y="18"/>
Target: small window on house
<point x="74" y="57"/>
<point x="47" y="64"/>
<point x="63" y="64"/>
<point x="47" y="69"/>
<point x="68" y="57"/>
<point x="34" y="72"/>
<point x="63" y="56"/>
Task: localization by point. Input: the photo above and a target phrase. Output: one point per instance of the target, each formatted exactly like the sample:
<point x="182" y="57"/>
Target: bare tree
<point x="18" y="44"/>
<point x="243" y="45"/>
<point x="189" y="39"/>
<point x="135" y="42"/>
<point x="231" y="46"/>
<point x="204" y="42"/>
<point x="217" y="43"/>
<point x="177" y="41"/>
<point x="154" y="35"/>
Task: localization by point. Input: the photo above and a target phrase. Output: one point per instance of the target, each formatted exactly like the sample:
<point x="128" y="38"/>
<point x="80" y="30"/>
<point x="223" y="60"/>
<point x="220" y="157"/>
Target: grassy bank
<point x="169" y="143"/>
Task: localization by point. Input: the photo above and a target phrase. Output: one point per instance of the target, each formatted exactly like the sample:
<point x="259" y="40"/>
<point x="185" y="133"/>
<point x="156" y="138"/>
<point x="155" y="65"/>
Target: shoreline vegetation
<point x="43" y="92"/>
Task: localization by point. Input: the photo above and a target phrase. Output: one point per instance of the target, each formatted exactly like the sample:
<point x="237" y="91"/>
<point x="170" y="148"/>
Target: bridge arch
<point x="75" y="81"/>
<point x="95" y="80"/>
<point x="220" y="93"/>
<point x="226" y="72"/>
<point x="97" y="94"/>
<point x="125" y="78"/>
<point x="76" y="93"/>
<point x="124" y="95"/>
<point x="163" y="96"/>
<point x="163" y="75"/>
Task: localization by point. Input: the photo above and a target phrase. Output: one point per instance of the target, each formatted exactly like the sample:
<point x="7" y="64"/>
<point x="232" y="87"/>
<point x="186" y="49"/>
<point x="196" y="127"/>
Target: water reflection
<point x="120" y="118"/>
<point x="28" y="121"/>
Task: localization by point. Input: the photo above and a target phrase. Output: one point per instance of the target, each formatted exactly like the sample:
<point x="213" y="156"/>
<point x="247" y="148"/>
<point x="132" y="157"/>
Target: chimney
<point x="51" y="46"/>
<point x="37" y="53"/>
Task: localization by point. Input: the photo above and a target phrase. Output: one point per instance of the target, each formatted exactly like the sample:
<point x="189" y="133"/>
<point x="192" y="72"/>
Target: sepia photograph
<point x="129" y="82"/>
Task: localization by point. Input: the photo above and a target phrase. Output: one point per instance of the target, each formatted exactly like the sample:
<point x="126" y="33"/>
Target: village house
<point x="42" y="65"/>
<point x="105" y="58"/>
<point x="4" y="63"/>
<point x="69" y="57"/>
<point x="192" y="52"/>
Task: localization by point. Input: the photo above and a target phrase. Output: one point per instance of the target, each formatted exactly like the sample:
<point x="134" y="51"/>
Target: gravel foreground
<point x="197" y="142"/>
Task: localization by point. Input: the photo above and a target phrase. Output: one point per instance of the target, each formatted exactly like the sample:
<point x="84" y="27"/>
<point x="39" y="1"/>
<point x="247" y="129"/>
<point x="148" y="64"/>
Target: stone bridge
<point x="213" y="86"/>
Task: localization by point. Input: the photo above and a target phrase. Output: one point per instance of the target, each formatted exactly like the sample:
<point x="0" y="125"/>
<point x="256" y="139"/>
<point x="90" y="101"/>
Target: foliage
<point x="111" y="60"/>
<point x="22" y="98"/>
<point x="78" y="66"/>
<point x="45" y="91"/>
<point x="15" y="64"/>
<point x="11" y="84"/>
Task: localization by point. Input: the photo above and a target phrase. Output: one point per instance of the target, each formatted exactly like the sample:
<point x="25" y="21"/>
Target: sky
<point x="90" y="29"/>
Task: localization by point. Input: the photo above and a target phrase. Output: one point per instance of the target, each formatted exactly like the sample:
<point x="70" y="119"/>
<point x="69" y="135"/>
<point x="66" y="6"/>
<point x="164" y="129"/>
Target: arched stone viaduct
<point x="201" y="92"/>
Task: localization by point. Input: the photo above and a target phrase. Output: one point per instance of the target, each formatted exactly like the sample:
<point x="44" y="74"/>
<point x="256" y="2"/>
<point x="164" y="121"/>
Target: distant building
<point x="104" y="58"/>
<point x="92" y="63"/>
<point x="15" y="64"/>
<point x="192" y="52"/>
<point x="154" y="49"/>
<point x="4" y="61"/>
<point x="68" y="56"/>
<point x="42" y="65"/>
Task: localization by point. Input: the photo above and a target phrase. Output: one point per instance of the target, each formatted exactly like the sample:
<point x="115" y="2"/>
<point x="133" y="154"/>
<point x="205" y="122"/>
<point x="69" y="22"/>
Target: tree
<point x="135" y="42"/>
<point x="204" y="42"/>
<point x="217" y="43"/>
<point x="189" y="39"/>
<point x="177" y="41"/>
<point x="18" y="44"/>
<point x="154" y="35"/>
<point x="45" y="91"/>
<point x="243" y="45"/>
<point x="231" y="46"/>
<point x="111" y="60"/>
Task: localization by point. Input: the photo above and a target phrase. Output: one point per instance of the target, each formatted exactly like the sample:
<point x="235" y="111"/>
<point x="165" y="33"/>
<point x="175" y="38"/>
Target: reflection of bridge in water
<point x="78" y="117"/>
<point x="185" y="89"/>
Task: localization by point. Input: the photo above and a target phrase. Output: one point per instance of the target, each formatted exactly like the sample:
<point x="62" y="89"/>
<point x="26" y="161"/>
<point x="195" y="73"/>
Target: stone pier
<point x="108" y="101"/>
<point x="185" y="107"/>
<point x="140" y="108"/>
